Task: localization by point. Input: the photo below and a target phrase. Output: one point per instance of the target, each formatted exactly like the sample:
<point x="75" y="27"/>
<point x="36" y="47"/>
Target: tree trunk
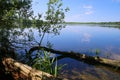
<point x="21" y="71"/>
<point x="81" y="57"/>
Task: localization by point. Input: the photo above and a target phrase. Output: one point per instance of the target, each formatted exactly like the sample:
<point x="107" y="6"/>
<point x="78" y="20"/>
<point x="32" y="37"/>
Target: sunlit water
<point x="86" y="39"/>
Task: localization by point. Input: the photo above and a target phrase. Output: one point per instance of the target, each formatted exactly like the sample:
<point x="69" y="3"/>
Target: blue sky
<point x="85" y="10"/>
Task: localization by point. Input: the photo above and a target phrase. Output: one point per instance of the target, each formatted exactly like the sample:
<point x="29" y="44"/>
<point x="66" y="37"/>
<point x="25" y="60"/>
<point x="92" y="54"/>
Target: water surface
<point x="85" y="39"/>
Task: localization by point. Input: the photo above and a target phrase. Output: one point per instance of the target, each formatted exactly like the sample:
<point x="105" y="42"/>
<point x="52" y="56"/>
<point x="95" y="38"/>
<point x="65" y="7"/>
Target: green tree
<point x="52" y="24"/>
<point x="10" y="10"/>
<point x="54" y="19"/>
<point x="18" y="13"/>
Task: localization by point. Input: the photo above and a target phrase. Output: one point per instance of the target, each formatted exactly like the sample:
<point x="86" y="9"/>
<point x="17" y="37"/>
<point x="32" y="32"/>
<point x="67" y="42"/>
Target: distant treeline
<point x="92" y="23"/>
<point x="37" y="23"/>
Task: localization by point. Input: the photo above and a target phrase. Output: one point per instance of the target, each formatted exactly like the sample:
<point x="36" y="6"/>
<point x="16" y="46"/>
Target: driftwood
<point x="21" y="71"/>
<point x="82" y="57"/>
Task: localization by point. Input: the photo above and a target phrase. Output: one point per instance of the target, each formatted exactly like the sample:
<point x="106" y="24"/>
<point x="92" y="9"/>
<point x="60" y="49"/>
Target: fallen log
<point x="21" y="71"/>
<point x="79" y="56"/>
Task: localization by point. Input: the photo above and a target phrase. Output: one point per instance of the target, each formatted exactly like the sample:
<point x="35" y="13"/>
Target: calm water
<point x="87" y="39"/>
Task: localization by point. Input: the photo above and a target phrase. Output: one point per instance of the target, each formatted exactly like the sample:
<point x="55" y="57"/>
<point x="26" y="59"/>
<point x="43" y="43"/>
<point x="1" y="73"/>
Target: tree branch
<point x="80" y="57"/>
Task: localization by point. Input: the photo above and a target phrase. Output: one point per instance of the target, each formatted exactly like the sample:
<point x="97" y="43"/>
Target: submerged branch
<point x="81" y="57"/>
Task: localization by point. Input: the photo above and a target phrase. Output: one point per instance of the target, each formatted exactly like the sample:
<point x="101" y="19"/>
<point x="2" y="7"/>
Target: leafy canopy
<point x="9" y="10"/>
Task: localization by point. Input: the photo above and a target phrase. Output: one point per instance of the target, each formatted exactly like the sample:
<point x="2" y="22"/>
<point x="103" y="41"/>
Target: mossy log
<point x="79" y="56"/>
<point x="21" y="71"/>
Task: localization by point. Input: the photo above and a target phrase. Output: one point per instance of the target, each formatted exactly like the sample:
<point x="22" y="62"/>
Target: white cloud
<point x="87" y="6"/>
<point x="88" y="9"/>
<point x="88" y="12"/>
<point x="80" y="16"/>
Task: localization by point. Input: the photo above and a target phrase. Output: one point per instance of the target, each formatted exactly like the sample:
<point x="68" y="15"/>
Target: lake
<point x="82" y="38"/>
<point x="87" y="38"/>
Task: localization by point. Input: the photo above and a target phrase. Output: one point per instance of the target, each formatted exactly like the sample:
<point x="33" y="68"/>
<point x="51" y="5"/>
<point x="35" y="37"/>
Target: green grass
<point x="47" y="64"/>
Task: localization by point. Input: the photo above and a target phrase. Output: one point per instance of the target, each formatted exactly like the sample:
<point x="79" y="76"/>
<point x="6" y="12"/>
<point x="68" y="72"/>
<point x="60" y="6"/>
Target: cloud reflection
<point x="86" y="37"/>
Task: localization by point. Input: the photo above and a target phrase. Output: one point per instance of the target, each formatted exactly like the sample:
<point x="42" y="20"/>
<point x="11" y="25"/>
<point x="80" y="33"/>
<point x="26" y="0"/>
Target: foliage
<point x="16" y="15"/>
<point x="55" y="16"/>
<point x="54" y="19"/>
<point x="97" y="51"/>
<point x="45" y="63"/>
<point x="118" y="23"/>
<point x="9" y="10"/>
<point x="11" y="13"/>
